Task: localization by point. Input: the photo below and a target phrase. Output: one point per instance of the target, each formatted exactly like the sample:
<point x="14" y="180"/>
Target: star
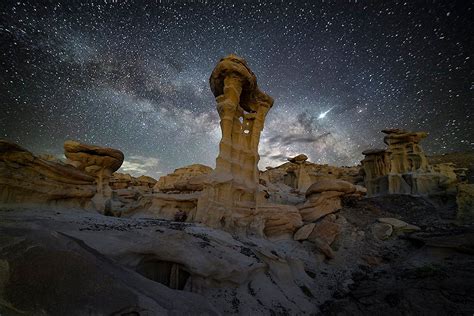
<point x="323" y="114"/>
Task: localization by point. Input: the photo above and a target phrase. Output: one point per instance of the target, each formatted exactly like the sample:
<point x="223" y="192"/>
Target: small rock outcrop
<point x="322" y="234"/>
<point x="298" y="159"/>
<point x="403" y="168"/>
<point x="389" y="226"/>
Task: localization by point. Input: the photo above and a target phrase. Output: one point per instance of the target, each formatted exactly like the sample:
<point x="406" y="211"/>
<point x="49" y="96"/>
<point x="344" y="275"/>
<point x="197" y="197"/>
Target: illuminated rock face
<point x="185" y="179"/>
<point x="403" y="168"/>
<point x="231" y="196"/>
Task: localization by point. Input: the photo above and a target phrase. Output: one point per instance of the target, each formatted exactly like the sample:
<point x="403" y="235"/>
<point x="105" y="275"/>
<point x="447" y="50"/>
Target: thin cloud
<point x="286" y="140"/>
<point x="139" y="165"/>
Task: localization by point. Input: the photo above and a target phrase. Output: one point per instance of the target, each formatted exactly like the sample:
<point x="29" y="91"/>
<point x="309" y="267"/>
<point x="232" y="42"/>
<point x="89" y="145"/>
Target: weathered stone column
<point x="242" y="109"/>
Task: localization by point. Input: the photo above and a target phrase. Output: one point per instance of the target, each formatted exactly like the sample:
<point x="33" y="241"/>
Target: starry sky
<point x="134" y="76"/>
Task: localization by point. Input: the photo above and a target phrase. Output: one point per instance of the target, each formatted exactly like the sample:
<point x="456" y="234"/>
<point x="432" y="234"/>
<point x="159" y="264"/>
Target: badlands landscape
<point x="393" y="235"/>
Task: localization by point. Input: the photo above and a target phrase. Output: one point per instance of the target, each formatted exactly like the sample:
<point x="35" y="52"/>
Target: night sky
<point x="134" y="76"/>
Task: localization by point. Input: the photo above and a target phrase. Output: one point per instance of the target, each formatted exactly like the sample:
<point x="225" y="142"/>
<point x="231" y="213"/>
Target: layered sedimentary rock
<point x="124" y="181"/>
<point x="100" y="162"/>
<point x="29" y="180"/>
<point x="299" y="174"/>
<point x="324" y="197"/>
<point x="185" y="179"/>
<point x="464" y="162"/>
<point x="403" y="168"/>
<point x="231" y="197"/>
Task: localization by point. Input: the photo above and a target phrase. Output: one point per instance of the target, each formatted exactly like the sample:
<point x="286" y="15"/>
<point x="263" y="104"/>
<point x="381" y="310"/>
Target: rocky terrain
<point x="124" y="266"/>
<point x="393" y="235"/>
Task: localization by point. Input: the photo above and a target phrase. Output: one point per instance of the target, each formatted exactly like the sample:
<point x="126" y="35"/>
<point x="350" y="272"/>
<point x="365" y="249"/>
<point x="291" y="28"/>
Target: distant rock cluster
<point x="403" y="168"/>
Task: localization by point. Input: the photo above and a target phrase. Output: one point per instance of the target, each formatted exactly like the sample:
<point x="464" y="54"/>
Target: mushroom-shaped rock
<point x="232" y="72"/>
<point x="98" y="161"/>
<point x="301" y="158"/>
<point x="324" y="197"/>
<point x="330" y="185"/>
<point x="397" y="136"/>
<point x="403" y="168"/>
<point x="93" y="159"/>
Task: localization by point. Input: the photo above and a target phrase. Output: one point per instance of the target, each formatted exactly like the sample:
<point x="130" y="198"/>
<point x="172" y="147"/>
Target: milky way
<point x="134" y="76"/>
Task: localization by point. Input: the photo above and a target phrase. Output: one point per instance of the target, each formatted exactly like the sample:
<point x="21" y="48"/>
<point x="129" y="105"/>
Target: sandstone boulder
<point x="330" y="185"/>
<point x="324" y="197"/>
<point x="92" y="159"/>
<point x="298" y="159"/>
<point x="324" y="248"/>
<point x="325" y="230"/>
<point x="320" y="204"/>
<point x="304" y="232"/>
<point x="397" y="224"/>
<point x="382" y="231"/>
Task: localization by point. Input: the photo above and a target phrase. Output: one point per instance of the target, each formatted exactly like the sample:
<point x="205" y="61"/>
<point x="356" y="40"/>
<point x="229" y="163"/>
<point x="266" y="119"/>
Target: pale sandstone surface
<point x="188" y="178"/>
<point x="188" y="268"/>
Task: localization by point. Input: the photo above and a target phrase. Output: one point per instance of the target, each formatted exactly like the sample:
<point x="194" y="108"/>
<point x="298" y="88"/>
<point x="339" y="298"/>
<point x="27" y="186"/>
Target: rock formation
<point x="186" y="179"/>
<point x="29" y="180"/>
<point x="324" y="197"/>
<point x="299" y="174"/>
<point x="99" y="162"/>
<point x="231" y="197"/>
<point x="465" y="202"/>
<point x="403" y="168"/>
<point x="125" y="181"/>
<point x="464" y="162"/>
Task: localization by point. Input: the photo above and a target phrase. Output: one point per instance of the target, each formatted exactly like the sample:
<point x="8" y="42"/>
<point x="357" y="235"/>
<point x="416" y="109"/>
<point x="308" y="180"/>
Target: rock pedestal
<point x="100" y="162"/>
<point x="324" y="197"/>
<point x="231" y="196"/>
<point x="403" y="168"/>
